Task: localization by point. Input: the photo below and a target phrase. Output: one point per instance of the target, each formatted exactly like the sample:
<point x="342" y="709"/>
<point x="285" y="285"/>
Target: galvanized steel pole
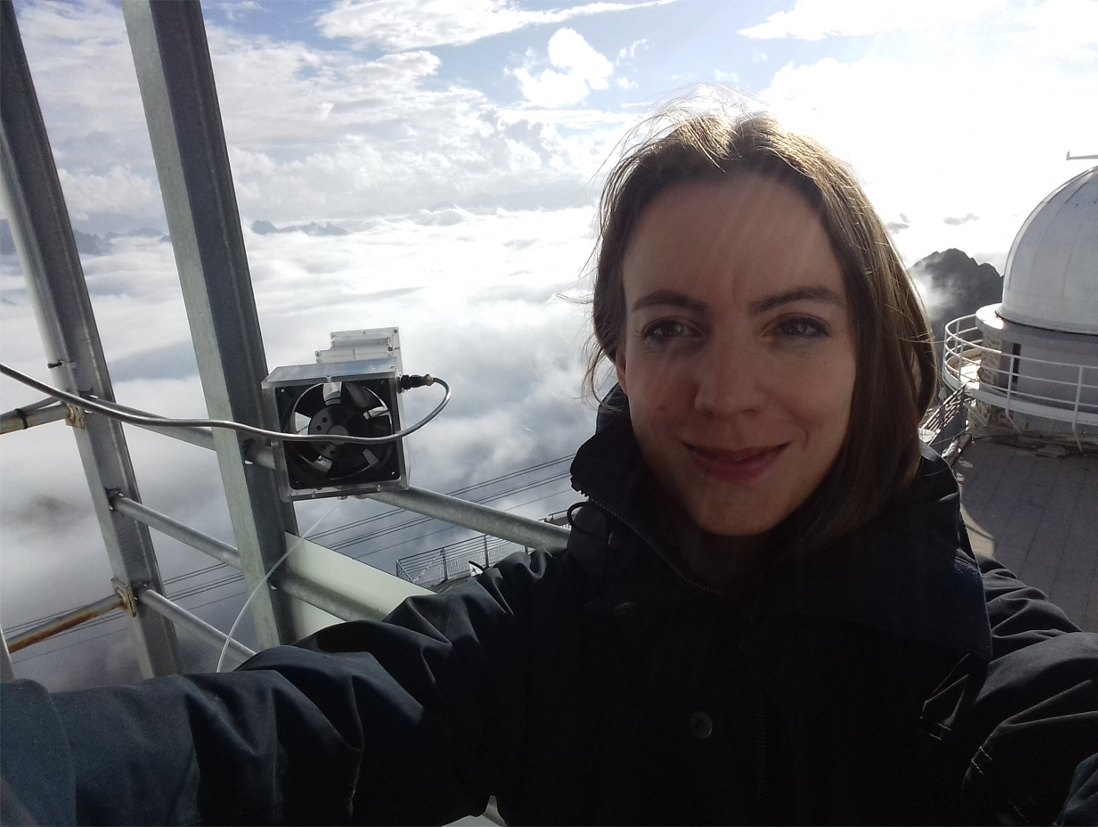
<point x="177" y="88"/>
<point x="526" y="531"/>
<point x="44" y="240"/>
<point x="66" y="622"/>
<point x="204" y="632"/>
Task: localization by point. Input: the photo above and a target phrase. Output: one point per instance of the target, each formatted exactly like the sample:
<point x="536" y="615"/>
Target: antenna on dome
<point x="1071" y="157"/>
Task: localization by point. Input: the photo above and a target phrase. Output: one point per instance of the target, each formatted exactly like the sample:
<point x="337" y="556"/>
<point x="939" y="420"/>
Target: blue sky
<point x="462" y="144"/>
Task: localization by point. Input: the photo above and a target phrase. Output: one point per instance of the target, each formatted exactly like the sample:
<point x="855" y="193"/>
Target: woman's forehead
<point x="752" y="236"/>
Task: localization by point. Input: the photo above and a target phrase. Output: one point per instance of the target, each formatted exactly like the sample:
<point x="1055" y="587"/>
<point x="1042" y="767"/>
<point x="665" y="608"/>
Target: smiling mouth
<point x="738" y="466"/>
<point x="741" y="456"/>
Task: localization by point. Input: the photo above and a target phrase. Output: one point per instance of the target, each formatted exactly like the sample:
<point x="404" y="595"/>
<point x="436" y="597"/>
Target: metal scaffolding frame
<point x="74" y="354"/>
<point x="176" y="79"/>
<point x="175" y="76"/>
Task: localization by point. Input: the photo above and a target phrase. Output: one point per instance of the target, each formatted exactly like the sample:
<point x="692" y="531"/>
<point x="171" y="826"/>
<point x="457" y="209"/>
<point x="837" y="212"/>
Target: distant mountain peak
<point x="955" y="266"/>
<point x="953" y="284"/>
<point x="264" y="228"/>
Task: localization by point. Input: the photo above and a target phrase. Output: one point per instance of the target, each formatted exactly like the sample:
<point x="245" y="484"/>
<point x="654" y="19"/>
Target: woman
<point x="768" y="610"/>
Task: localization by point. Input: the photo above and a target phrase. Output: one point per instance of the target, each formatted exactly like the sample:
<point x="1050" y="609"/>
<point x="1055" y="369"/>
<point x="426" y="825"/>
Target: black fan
<point x="355" y="408"/>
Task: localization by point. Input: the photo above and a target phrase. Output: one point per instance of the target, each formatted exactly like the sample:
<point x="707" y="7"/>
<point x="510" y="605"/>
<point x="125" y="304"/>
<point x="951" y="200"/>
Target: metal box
<point x="352" y="389"/>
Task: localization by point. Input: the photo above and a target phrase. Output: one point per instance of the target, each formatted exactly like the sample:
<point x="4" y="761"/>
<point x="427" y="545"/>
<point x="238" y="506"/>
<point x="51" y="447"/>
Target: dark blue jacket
<point x="900" y="681"/>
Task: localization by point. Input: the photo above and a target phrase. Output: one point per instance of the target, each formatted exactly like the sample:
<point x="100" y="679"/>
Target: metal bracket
<point x="112" y="493"/>
<point x="126" y="595"/>
<point x="75" y="417"/>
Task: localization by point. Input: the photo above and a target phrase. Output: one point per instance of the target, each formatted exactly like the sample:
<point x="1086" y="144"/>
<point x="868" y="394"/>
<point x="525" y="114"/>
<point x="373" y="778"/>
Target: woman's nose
<point x="730" y="381"/>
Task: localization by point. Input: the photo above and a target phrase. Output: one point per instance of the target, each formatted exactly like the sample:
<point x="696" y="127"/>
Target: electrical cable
<point x="263" y="582"/>
<point x="155" y="421"/>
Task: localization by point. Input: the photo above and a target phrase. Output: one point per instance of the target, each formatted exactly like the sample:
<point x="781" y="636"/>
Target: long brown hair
<point x="896" y="378"/>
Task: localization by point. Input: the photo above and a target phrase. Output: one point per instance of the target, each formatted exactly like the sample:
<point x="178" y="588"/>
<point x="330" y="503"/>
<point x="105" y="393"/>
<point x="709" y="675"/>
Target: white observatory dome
<point x="1051" y="278"/>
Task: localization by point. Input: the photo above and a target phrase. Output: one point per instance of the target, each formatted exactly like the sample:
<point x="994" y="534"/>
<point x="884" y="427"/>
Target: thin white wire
<point x="240" y="615"/>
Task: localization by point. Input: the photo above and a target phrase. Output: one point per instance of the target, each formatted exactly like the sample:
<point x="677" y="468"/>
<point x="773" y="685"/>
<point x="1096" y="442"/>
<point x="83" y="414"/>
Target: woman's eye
<point x="802" y="328"/>
<point x="663" y="330"/>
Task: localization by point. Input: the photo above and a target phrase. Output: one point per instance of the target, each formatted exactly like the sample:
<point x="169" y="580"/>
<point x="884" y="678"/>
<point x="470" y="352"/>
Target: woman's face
<point x="738" y="355"/>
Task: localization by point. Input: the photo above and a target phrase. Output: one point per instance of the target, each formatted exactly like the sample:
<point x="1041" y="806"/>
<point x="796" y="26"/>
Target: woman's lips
<point x="741" y="466"/>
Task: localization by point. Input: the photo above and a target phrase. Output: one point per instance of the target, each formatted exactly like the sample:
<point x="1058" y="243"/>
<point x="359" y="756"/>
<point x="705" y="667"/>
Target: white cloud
<point x="84" y="76"/>
<point x="931" y="146"/>
<point x="119" y="191"/>
<point x="1060" y="28"/>
<point x="576" y="69"/>
<point x="397" y="25"/>
<point x="314" y="134"/>
<point x="630" y="53"/>
<point x="817" y="19"/>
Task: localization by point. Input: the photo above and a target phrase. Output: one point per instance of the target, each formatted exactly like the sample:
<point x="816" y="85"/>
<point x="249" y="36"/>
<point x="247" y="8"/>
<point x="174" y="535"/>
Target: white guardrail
<point x="1063" y="391"/>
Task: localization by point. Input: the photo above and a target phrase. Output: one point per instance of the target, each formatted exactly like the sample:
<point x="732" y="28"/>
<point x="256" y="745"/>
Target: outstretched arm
<point x="1024" y="724"/>
<point x="411" y="720"/>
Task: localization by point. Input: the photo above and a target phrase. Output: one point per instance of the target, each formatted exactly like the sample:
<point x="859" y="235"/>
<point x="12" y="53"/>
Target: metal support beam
<point x="66" y="622"/>
<point x="237" y="653"/>
<point x="528" y="532"/>
<point x="177" y="88"/>
<point x="44" y="240"/>
<point x="495" y="522"/>
<point x="224" y="552"/>
<point x="296" y="586"/>
<point x="19" y="419"/>
<point x="341" y="606"/>
<point x="6" y="673"/>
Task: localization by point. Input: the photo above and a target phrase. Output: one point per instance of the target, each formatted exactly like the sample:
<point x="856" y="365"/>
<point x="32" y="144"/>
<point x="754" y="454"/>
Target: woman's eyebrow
<point x="670" y="297"/>
<point x="814" y="294"/>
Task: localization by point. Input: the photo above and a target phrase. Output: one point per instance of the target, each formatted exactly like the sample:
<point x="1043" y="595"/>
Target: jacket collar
<point x="910" y="572"/>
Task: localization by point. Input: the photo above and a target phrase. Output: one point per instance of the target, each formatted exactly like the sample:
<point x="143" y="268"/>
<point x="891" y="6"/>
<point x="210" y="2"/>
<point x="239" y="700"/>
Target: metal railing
<point x="455" y="560"/>
<point x="1065" y="392"/>
<point x="945" y="422"/>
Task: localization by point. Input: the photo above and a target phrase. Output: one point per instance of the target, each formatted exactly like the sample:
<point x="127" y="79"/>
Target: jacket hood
<point x="910" y="572"/>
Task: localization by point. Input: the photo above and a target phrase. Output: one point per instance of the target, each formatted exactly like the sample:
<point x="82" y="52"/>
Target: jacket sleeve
<point x="412" y="720"/>
<point x="1020" y="728"/>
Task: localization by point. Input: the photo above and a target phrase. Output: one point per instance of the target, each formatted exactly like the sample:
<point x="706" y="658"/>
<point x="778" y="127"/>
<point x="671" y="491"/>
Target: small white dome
<point x="1051" y="278"/>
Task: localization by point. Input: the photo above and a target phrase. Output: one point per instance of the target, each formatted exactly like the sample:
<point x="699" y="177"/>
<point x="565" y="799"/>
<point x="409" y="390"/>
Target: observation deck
<point x="1028" y="380"/>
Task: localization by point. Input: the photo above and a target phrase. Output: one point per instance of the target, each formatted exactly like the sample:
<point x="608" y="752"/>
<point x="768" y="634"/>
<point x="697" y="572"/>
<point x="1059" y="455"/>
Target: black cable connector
<point x="415" y="381"/>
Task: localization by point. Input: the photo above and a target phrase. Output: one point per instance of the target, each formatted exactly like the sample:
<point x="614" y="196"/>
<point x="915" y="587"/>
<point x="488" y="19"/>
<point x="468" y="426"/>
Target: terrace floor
<point x="1037" y="513"/>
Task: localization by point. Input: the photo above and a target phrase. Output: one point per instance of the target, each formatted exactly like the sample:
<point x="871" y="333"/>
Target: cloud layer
<point x="385" y="23"/>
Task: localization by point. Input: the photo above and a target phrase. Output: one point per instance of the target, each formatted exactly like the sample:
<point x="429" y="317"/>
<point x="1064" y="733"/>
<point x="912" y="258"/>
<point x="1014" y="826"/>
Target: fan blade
<point x="353" y="464"/>
<point x="309" y="403"/>
<point x="358" y="395"/>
